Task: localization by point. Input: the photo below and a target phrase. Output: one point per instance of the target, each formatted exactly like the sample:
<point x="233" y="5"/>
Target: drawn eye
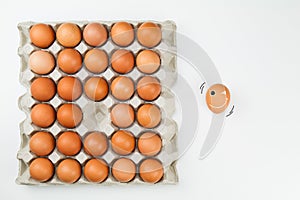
<point x="217" y="98"/>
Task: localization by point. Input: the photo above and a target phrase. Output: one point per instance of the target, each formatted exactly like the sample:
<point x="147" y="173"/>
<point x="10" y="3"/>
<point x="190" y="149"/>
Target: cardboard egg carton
<point x="96" y="115"/>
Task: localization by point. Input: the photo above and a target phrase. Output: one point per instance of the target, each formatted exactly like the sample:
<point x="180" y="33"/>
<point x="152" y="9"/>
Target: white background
<point x="256" y="47"/>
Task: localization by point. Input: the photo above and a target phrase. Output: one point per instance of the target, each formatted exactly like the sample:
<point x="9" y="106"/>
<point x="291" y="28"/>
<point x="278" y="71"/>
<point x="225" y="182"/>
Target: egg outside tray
<point x="96" y="114"/>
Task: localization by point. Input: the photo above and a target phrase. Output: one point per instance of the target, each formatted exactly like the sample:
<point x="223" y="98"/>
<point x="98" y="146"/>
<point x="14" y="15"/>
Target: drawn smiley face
<point x="217" y="98"/>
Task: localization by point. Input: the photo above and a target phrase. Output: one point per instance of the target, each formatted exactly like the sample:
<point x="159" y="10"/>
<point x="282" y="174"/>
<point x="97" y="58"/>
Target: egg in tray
<point x="98" y="104"/>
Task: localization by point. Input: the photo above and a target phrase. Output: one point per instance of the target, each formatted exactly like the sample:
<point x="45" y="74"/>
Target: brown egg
<point x="69" y="115"/>
<point x="42" y="35"/>
<point x="95" y="34"/>
<point x="148" y="115"/>
<point x="122" y="61"/>
<point x="96" y="170"/>
<point x="148" y="61"/>
<point x="217" y="98"/>
<point x="69" y="88"/>
<point x="43" y="89"/>
<point x="122" y="88"/>
<point x="43" y="115"/>
<point x="69" y="143"/>
<point x="149" y="144"/>
<point x="123" y="142"/>
<point x="68" y="170"/>
<point x="68" y="35"/>
<point x="124" y="170"/>
<point x="96" y="88"/>
<point x="122" y="33"/>
<point x="42" y="143"/>
<point x="95" y="144"/>
<point x="122" y="115"/>
<point x="149" y="34"/>
<point x="41" y="169"/>
<point x="151" y="170"/>
<point x="69" y="61"/>
<point x="41" y="62"/>
<point x="148" y="88"/>
<point x="96" y="60"/>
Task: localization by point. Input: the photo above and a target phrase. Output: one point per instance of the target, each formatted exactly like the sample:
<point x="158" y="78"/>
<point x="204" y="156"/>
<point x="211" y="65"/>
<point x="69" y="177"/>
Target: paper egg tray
<point x="96" y="115"/>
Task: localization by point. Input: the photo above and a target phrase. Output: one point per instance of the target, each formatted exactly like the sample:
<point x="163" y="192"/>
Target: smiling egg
<point x="217" y="98"/>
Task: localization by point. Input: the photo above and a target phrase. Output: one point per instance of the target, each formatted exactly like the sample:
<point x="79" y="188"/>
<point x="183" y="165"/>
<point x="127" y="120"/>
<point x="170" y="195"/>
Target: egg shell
<point x="149" y="143"/>
<point x="69" y="143"/>
<point x="96" y="170"/>
<point x="124" y="170"/>
<point x="69" y="88"/>
<point x="217" y="98"/>
<point x="148" y="61"/>
<point x="42" y="35"/>
<point x="42" y="115"/>
<point x="149" y="115"/>
<point x="151" y="170"/>
<point x="69" y="115"/>
<point x="95" y="144"/>
<point x="43" y="89"/>
<point x="69" y="61"/>
<point x="122" y="33"/>
<point x="122" y="88"/>
<point x="122" y="115"/>
<point x="41" y="169"/>
<point x="96" y="88"/>
<point x="41" y="62"/>
<point x="42" y="143"/>
<point x="68" y="170"/>
<point x="149" y="34"/>
<point x="96" y="61"/>
<point x="148" y="88"/>
<point x="123" y="142"/>
<point x="68" y="35"/>
<point x="122" y="61"/>
<point x="95" y="34"/>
